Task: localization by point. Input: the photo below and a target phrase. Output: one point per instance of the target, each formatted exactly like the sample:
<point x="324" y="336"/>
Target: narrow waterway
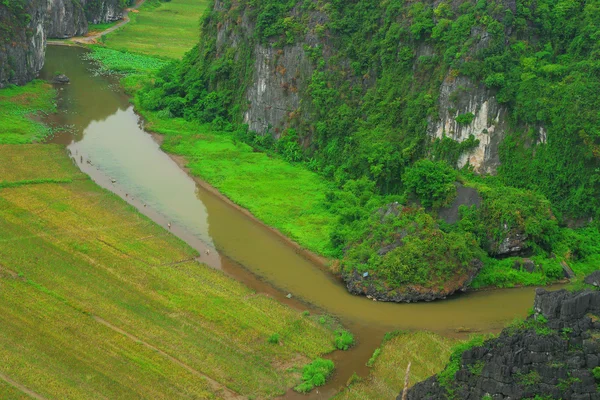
<point x="107" y="141"/>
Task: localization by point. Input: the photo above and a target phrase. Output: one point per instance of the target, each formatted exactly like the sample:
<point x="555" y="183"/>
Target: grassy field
<point x="166" y="30"/>
<point x="427" y="352"/>
<point x="96" y="300"/>
<point x="17" y="102"/>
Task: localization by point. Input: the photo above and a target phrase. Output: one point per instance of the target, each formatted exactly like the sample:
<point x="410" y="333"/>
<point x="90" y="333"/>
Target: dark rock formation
<point x="552" y="354"/>
<point x="61" y="79"/>
<point x="465" y="196"/>
<point x="22" y="41"/>
<point x="359" y="284"/>
<point x="514" y="243"/>
<point x="101" y="11"/>
<point x="593" y="279"/>
<point x="526" y="264"/>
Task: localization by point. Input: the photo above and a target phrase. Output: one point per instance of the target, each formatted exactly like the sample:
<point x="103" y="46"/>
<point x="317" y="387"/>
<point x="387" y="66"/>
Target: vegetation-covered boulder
<point x="554" y="353"/>
<point x="404" y="256"/>
<point x="515" y="221"/>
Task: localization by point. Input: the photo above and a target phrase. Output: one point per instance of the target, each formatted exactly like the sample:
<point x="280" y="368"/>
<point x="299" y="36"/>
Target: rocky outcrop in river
<point x="555" y="353"/>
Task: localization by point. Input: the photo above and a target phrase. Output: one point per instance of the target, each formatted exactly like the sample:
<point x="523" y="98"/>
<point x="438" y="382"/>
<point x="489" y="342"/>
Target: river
<point x="106" y="139"/>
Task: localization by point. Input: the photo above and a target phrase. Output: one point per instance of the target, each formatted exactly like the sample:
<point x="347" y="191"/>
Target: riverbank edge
<point x="321" y="261"/>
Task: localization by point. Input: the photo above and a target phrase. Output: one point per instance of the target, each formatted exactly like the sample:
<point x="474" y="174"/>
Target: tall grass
<point x="20" y="107"/>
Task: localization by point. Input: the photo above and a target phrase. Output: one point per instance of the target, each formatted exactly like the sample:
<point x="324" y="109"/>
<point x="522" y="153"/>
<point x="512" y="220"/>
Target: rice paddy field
<point x="427" y="351"/>
<point x="166" y="30"/>
<point x="96" y="301"/>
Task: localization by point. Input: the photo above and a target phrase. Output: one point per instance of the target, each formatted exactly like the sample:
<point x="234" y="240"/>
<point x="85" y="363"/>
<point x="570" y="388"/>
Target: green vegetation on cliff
<point x="369" y="116"/>
<point x="367" y="102"/>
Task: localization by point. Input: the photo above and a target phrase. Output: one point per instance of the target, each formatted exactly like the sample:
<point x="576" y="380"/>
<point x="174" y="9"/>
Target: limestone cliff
<point x="68" y="18"/>
<point x="22" y="41"/>
<point x="366" y="89"/>
<point x="101" y="11"/>
<point x="554" y="354"/>
<point x="277" y="95"/>
<point x="65" y="18"/>
<point x="25" y="26"/>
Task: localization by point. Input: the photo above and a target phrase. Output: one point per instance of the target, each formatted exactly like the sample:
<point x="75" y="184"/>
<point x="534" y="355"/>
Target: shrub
<point x="374" y="357"/>
<point x="315" y="374"/>
<point x="465" y="119"/>
<point x="432" y="182"/>
<point x="596" y="373"/>
<point x="343" y="339"/>
<point x="274" y="338"/>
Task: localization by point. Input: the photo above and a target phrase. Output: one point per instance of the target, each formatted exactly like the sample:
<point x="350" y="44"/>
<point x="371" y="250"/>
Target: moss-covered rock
<point x="404" y="256"/>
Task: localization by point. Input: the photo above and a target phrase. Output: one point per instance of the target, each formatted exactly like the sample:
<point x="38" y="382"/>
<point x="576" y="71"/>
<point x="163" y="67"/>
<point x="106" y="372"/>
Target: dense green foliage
<point x="409" y="248"/>
<point x="343" y="339"/>
<point x="315" y="374"/>
<point x="370" y="118"/>
<point x="432" y="182"/>
<point x="363" y="125"/>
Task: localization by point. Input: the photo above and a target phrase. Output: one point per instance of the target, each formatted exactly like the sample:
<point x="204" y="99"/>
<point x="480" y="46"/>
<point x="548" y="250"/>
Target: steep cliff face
<point x="25" y="26"/>
<point x="366" y="89"/>
<point x="554" y="354"/>
<point x="279" y="75"/>
<point x="461" y="96"/>
<point x="101" y="11"/>
<point x="65" y="18"/>
<point x="22" y="41"/>
<point x="68" y="18"/>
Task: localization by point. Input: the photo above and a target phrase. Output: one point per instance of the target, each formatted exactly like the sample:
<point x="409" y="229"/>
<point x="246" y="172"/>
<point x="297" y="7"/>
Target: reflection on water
<point x="108" y="142"/>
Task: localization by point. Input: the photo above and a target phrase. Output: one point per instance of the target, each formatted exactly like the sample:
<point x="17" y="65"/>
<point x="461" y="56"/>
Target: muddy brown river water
<point x="104" y="130"/>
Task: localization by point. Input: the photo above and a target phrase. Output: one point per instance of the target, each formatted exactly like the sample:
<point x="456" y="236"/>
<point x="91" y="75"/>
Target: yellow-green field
<point x="96" y="301"/>
<point x="165" y="30"/>
<point x="428" y="353"/>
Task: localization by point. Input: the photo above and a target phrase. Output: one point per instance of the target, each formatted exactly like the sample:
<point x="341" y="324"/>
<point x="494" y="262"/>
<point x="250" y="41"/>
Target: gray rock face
<point x="553" y="359"/>
<point x="280" y="75"/>
<point x="61" y="79"/>
<point x="102" y="11"/>
<point x="22" y="47"/>
<point x="593" y="279"/>
<point x="460" y="96"/>
<point x="23" y="41"/>
<point x="65" y="18"/>
<point x="514" y="243"/>
<point x="465" y="196"/>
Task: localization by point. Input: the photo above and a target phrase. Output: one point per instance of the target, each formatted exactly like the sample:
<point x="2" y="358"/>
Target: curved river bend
<point x="104" y="129"/>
